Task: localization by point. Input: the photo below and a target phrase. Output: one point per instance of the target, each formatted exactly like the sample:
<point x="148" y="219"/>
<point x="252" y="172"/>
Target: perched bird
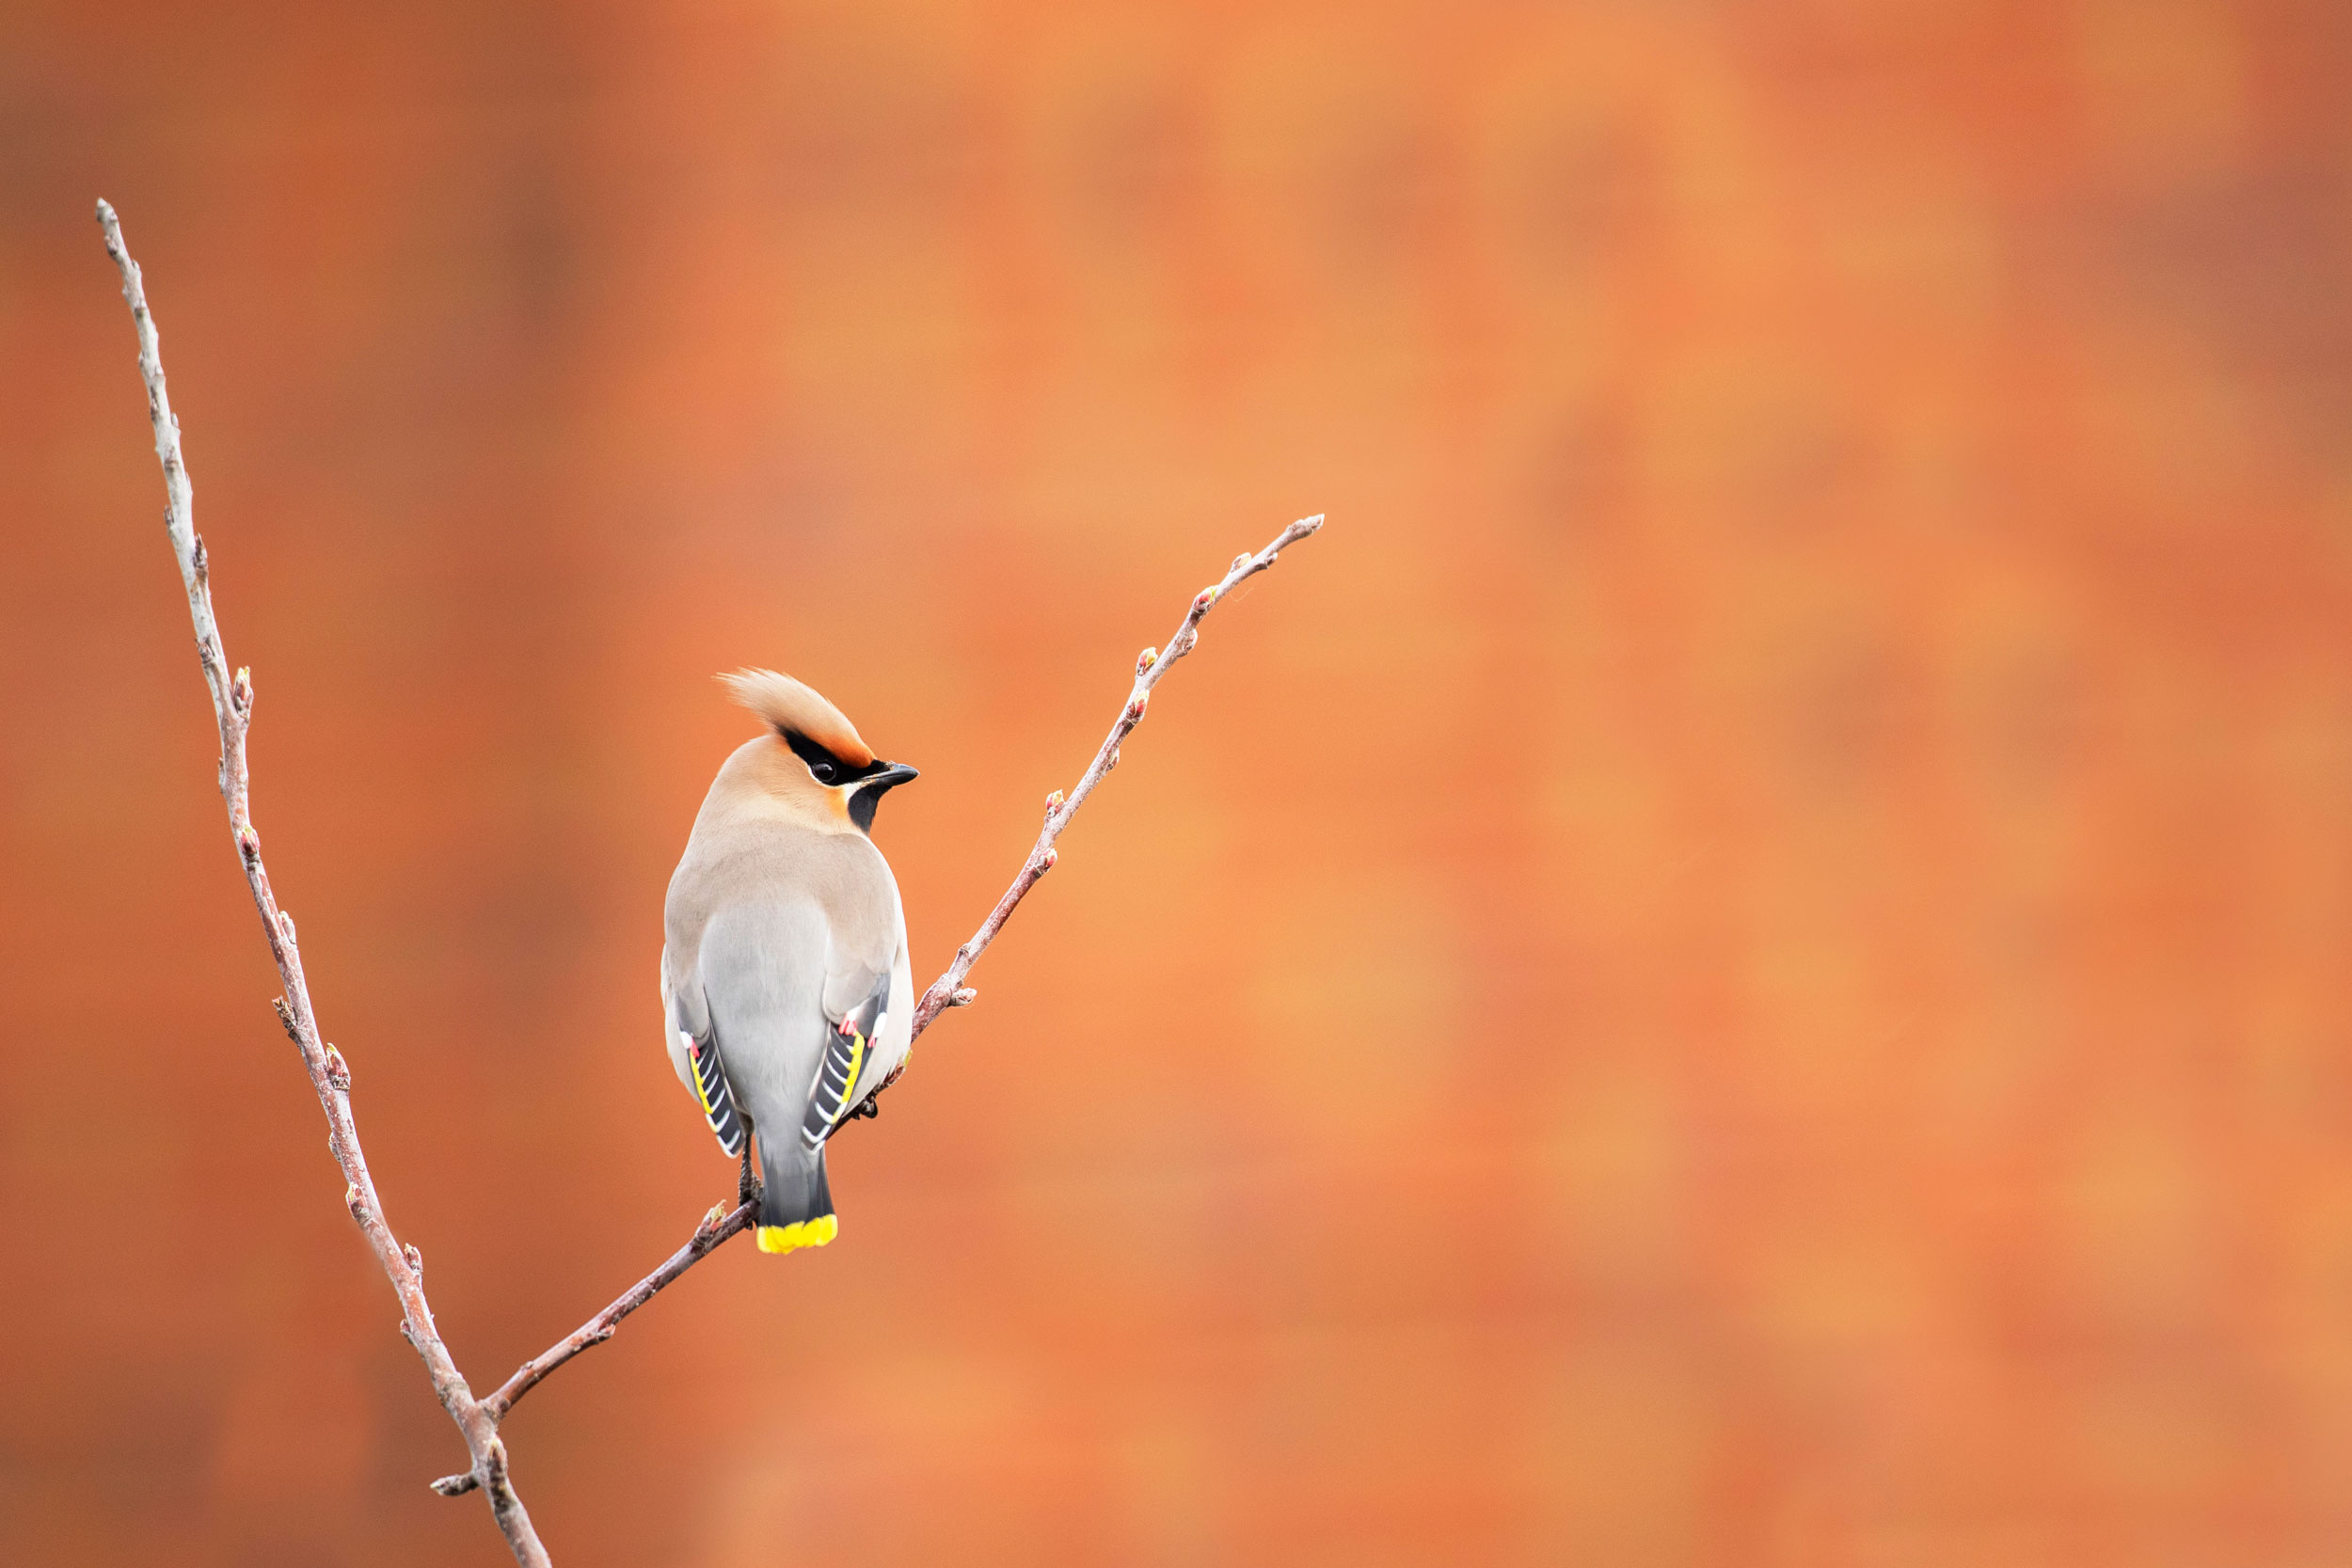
<point x="785" y="986"/>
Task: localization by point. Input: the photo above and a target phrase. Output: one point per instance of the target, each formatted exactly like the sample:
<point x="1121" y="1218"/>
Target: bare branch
<point x="949" y="991"/>
<point x="232" y="709"/>
<point x="717" y="1227"/>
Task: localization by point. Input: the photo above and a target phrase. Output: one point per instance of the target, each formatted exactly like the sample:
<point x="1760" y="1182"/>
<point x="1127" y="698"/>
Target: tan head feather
<point x="795" y="709"/>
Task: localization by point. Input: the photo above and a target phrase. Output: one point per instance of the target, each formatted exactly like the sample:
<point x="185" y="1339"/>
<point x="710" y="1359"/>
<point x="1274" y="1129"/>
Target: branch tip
<point x="1151" y="665"/>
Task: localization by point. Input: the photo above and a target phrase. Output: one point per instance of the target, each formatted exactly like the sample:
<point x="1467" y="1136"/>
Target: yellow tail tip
<point x="791" y="1238"/>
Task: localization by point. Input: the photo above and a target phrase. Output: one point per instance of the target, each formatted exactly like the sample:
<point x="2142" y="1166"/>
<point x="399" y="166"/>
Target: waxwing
<point x="785" y="993"/>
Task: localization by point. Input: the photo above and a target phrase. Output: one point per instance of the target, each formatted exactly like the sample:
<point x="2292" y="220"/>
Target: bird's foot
<point x="747" y="1182"/>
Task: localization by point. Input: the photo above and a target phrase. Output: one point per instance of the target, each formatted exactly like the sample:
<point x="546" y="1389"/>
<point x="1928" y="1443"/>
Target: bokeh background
<point x="1747" y="961"/>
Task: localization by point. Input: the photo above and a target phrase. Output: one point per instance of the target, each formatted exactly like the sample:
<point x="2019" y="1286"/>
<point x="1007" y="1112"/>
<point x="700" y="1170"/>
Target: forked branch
<point x="477" y="1421"/>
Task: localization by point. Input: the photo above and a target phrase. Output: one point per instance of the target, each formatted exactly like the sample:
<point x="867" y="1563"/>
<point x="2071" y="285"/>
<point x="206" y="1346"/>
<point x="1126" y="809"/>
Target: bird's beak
<point x="892" y="775"/>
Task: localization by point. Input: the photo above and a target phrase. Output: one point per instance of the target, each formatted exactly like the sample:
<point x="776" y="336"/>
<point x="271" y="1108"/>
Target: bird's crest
<point x="794" y="708"/>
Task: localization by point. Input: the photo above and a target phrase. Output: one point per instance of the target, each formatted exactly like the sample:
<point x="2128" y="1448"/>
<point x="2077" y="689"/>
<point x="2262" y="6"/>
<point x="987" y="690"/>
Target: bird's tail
<point x="796" y="1208"/>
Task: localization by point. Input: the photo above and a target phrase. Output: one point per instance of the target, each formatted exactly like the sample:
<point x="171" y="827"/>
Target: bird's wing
<point x="694" y="1052"/>
<point x="843" y="1071"/>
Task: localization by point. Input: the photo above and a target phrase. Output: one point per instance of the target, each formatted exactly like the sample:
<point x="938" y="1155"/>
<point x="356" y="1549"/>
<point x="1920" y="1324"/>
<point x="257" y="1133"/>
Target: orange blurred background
<point x="1745" y="962"/>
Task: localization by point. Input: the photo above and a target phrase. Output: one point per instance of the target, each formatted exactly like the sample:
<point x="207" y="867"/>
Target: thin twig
<point x="947" y="992"/>
<point x="232" y="709"/>
<point x="717" y="1227"/>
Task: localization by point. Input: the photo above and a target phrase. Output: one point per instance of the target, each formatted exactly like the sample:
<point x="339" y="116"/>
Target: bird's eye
<point x="824" y="771"/>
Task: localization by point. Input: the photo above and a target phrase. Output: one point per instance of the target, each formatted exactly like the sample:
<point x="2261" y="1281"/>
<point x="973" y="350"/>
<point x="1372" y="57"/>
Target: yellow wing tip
<point x="791" y="1238"/>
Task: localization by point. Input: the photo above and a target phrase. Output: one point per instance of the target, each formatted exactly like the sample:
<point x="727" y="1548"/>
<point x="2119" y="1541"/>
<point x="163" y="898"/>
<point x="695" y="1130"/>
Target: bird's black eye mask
<point x="827" y="769"/>
<point x="831" y="770"/>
